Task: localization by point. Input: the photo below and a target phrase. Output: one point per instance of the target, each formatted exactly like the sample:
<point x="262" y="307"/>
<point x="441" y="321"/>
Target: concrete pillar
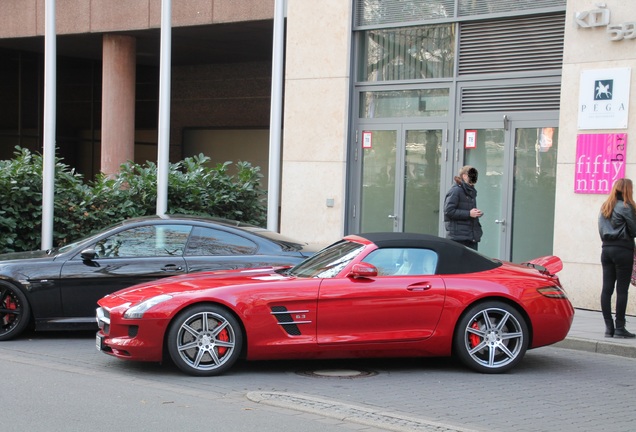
<point x="118" y="102"/>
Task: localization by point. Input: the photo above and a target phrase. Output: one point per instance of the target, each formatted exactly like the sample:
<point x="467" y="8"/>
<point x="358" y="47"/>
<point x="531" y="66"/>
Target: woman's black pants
<point x="617" y="263"/>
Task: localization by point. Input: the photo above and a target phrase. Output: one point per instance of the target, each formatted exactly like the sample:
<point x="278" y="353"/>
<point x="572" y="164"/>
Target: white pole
<point x="163" y="145"/>
<point x="275" y="122"/>
<point x="48" y="155"/>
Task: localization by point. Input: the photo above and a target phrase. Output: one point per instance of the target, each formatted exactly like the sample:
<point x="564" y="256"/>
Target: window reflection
<point x="408" y="53"/>
<point x="208" y="241"/>
<point x="404" y="103"/>
<point x="145" y="241"/>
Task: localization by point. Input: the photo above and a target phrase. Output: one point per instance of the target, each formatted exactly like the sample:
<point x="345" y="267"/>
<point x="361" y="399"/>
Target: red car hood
<point x="197" y="281"/>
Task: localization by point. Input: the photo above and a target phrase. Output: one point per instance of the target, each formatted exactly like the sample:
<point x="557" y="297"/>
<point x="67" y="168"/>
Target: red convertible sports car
<point x="370" y="295"/>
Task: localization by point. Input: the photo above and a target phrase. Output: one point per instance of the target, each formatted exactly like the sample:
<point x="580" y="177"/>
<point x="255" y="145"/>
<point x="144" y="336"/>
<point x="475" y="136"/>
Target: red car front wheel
<point x="205" y="340"/>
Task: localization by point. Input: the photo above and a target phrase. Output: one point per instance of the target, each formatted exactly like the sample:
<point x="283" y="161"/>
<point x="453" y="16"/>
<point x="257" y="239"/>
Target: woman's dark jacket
<point x="460" y="200"/>
<point x="620" y="228"/>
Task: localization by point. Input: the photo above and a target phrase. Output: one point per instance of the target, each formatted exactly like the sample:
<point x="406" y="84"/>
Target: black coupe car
<point x="58" y="289"/>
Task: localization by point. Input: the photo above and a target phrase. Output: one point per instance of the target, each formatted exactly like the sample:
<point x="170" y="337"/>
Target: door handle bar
<point x="419" y="287"/>
<point x="172" y="268"/>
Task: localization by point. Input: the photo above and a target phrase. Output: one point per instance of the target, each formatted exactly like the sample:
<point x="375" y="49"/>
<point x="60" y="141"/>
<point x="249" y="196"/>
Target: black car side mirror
<point x="88" y="254"/>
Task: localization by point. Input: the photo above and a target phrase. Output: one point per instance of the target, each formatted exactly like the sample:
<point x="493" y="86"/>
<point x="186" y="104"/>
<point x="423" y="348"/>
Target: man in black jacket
<point x="461" y="215"/>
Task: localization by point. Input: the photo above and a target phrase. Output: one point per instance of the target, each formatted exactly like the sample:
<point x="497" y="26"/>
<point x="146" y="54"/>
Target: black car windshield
<point x="87" y="238"/>
<point x="328" y="262"/>
<point x="284" y="242"/>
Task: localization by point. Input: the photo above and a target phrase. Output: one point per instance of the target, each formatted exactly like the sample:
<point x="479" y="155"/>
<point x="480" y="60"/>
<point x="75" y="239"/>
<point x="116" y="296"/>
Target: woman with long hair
<point x="617" y="228"/>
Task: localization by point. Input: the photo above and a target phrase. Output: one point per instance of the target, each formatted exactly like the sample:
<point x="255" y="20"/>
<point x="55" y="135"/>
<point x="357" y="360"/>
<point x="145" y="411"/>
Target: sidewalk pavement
<point x="588" y="334"/>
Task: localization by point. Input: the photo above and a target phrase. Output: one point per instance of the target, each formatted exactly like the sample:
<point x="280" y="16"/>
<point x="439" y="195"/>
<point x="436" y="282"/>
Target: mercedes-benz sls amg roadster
<point x="371" y="295"/>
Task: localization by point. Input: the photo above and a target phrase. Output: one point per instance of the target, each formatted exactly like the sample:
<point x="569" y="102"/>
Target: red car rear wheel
<point x="491" y="337"/>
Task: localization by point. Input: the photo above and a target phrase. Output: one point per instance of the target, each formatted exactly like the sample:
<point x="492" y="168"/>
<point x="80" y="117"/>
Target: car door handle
<point x="419" y="287"/>
<point x="172" y="268"/>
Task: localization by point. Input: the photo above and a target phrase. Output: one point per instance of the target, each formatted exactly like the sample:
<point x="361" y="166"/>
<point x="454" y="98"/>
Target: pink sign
<point x="600" y="161"/>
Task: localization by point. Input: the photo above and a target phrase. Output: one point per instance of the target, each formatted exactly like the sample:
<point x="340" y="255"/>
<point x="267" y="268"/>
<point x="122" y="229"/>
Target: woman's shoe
<point x="609" y="328"/>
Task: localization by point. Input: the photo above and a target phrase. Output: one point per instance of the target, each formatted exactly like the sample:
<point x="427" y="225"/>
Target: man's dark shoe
<point x="621" y="332"/>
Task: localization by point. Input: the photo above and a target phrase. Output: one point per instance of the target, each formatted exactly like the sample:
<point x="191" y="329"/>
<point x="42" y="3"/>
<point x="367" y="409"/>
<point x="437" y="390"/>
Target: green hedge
<point x="84" y="207"/>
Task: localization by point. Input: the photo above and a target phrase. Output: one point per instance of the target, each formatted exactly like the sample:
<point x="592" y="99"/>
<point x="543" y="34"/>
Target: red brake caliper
<point x="225" y="337"/>
<point x="473" y="338"/>
<point x="8" y="304"/>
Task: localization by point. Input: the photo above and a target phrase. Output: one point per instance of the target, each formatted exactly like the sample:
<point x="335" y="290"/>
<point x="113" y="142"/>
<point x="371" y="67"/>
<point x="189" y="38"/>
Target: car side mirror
<point x="363" y="270"/>
<point x="88" y="254"/>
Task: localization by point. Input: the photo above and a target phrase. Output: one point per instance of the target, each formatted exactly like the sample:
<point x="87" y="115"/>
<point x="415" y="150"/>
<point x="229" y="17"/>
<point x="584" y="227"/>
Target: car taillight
<point x="552" y="292"/>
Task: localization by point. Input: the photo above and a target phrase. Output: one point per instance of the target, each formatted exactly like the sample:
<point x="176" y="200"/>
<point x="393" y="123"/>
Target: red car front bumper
<point x="130" y="339"/>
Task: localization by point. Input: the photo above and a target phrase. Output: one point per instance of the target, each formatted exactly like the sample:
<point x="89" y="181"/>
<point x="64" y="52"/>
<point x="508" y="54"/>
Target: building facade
<point x="108" y="56"/>
<point x="434" y="85"/>
<point x="384" y="101"/>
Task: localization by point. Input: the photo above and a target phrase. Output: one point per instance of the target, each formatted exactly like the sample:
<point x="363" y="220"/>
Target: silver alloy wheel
<point x="205" y="341"/>
<point x="494" y="338"/>
<point x="491" y="337"/>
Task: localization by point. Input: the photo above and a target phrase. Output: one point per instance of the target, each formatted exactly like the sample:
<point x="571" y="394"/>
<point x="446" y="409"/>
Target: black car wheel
<point x="205" y="340"/>
<point x="491" y="337"/>
<point x="14" y="311"/>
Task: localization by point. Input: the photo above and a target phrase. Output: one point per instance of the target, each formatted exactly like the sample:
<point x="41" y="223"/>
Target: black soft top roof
<point x="454" y="258"/>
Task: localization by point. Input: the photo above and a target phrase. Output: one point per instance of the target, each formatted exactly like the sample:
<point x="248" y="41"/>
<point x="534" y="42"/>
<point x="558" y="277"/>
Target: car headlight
<point x="138" y="311"/>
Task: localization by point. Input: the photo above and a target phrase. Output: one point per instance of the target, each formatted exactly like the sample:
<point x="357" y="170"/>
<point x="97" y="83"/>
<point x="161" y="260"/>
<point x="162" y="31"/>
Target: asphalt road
<point x="60" y="382"/>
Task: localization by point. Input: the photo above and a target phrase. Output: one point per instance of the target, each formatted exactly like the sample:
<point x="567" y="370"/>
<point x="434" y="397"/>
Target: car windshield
<point x="83" y="239"/>
<point x="328" y="262"/>
<point x="284" y="242"/>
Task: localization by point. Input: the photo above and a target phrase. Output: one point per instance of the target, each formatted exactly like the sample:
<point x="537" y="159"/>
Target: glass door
<point x="484" y="147"/>
<point x="420" y="208"/>
<point x="516" y="187"/>
<point x="378" y="185"/>
<point x="400" y="178"/>
<point x="533" y="190"/>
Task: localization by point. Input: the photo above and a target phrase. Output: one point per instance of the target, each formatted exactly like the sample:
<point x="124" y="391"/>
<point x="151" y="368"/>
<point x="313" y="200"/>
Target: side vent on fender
<point x="286" y="321"/>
